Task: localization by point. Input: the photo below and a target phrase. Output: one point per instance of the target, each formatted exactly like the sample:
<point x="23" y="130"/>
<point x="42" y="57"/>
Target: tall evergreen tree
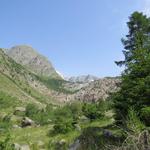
<point x="135" y="87"/>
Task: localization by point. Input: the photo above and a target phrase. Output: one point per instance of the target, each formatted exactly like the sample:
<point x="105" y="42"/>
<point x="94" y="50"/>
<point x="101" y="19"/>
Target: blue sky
<point x="78" y="36"/>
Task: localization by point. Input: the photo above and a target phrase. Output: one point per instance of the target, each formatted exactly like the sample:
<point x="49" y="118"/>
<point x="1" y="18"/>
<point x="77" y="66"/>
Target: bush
<point x="40" y="116"/>
<point x="65" y="118"/>
<point x="133" y="122"/>
<point x="5" y="124"/>
<point x="76" y="111"/>
<point x="6" y="144"/>
<point x="93" y="111"/>
<point x="145" y="115"/>
<point x="63" y="127"/>
<point x="31" y="110"/>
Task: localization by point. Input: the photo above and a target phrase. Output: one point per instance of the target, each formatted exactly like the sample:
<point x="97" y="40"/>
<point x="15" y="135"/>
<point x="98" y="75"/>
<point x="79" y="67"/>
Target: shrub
<point x="63" y="127"/>
<point x="92" y="111"/>
<point x="145" y="115"/>
<point x="31" y="110"/>
<point x="64" y="120"/>
<point x="76" y="111"/>
<point x="5" y="124"/>
<point x="6" y="144"/>
<point x="40" y="116"/>
<point x="133" y="122"/>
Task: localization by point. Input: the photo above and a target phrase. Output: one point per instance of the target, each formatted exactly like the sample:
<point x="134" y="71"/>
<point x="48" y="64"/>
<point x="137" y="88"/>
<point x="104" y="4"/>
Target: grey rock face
<point x="28" y="57"/>
<point x="98" y="90"/>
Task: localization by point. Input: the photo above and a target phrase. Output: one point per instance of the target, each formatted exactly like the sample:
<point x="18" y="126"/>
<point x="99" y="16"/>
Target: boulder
<point x="17" y="146"/>
<point x="107" y="133"/>
<point x="27" y="122"/>
<point x="77" y="127"/>
<point x="25" y="147"/>
<point x="62" y="142"/>
<point x="75" y="145"/>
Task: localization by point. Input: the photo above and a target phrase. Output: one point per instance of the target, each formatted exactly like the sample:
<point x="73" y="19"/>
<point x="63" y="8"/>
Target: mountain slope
<point x="29" y="58"/>
<point x="17" y="81"/>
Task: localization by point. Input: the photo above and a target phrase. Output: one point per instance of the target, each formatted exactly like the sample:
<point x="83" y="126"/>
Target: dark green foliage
<point x="5" y="124"/>
<point x="93" y="111"/>
<point x="62" y="127"/>
<point x="63" y="120"/>
<point x="145" y="115"/>
<point x="6" y="144"/>
<point x="66" y="117"/>
<point x="135" y="88"/>
<point x="133" y="122"/>
<point x="76" y="111"/>
<point x="31" y="110"/>
<point x="40" y="116"/>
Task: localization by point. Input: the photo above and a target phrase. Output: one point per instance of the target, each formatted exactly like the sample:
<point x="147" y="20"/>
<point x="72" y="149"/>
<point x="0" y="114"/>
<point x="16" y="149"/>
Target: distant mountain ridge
<point x="82" y="79"/>
<point x="35" y="75"/>
<point x="32" y="60"/>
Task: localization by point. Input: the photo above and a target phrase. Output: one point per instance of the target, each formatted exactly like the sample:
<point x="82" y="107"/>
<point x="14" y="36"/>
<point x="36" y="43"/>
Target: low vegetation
<point x="55" y="121"/>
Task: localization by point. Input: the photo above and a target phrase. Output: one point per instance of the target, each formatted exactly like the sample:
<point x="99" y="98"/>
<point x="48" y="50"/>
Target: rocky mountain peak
<point x="32" y="60"/>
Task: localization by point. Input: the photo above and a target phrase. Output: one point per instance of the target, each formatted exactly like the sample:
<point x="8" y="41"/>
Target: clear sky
<point x="78" y="36"/>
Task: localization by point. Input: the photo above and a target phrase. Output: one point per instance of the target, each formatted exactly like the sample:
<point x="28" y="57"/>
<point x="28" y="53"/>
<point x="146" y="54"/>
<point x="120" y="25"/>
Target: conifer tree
<point x="135" y="87"/>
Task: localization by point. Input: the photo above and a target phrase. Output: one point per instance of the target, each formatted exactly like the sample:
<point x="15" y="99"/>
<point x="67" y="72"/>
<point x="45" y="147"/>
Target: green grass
<point x="32" y="135"/>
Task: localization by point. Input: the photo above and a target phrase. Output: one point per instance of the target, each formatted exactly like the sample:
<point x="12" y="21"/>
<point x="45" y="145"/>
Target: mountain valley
<point x="29" y="82"/>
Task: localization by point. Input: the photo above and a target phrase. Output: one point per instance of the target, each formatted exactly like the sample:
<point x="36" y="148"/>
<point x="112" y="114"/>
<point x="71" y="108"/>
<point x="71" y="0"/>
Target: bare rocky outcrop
<point x="98" y="90"/>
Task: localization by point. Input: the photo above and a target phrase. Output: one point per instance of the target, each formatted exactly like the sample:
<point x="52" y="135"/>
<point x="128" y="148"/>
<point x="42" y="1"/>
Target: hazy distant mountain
<point x="82" y="79"/>
<point x="32" y="60"/>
